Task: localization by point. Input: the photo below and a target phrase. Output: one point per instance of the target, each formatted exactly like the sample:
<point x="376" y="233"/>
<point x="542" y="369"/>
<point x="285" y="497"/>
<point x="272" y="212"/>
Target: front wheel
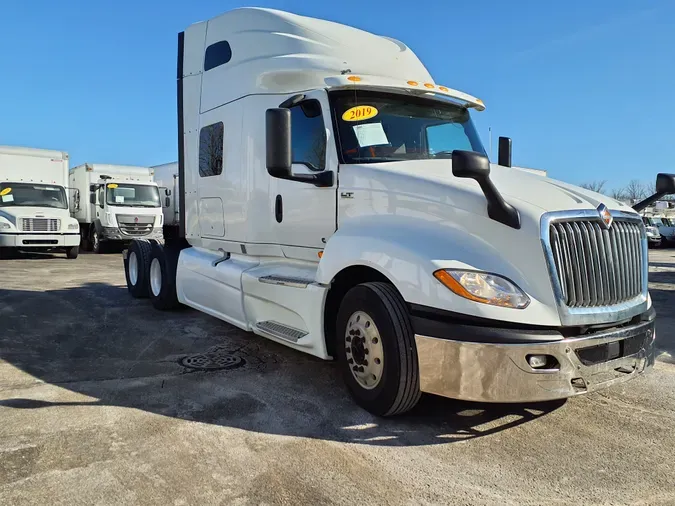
<point x="376" y="349"/>
<point x="95" y="241"/>
<point x="72" y="252"/>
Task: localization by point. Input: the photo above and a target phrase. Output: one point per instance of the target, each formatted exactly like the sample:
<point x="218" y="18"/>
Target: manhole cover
<point x="212" y="361"/>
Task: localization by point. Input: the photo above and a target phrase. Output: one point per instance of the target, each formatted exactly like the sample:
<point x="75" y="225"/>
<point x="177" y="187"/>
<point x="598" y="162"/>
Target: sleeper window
<point x="309" y="135"/>
<point x="211" y="150"/>
<point x="217" y="54"/>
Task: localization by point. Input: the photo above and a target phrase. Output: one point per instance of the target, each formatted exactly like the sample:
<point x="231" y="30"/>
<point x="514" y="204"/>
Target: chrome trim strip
<point x="613" y="312"/>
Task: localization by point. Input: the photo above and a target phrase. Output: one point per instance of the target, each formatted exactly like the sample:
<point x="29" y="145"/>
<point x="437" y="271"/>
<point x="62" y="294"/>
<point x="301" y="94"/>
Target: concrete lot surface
<point x="97" y="406"/>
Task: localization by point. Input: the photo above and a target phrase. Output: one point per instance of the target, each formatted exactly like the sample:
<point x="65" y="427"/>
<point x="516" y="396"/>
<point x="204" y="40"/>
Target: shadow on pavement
<point x="98" y="341"/>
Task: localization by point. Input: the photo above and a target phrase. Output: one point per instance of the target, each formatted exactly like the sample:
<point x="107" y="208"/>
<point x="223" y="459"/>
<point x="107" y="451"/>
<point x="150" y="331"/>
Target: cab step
<point x="281" y="331"/>
<point x="274" y="279"/>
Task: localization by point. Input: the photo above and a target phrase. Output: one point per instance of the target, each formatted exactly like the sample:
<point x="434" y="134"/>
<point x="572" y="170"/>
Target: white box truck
<point x="116" y="204"/>
<point x="166" y="177"/>
<point x="34" y="202"/>
<point x="335" y="199"/>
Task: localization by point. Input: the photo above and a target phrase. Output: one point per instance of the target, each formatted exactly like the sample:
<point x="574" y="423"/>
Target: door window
<point x="309" y="135"/>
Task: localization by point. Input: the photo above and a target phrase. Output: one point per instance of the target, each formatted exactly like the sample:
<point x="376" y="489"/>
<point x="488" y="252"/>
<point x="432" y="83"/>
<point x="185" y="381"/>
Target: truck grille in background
<point x="595" y="266"/>
<point x="40" y="224"/>
<point x="135" y="225"/>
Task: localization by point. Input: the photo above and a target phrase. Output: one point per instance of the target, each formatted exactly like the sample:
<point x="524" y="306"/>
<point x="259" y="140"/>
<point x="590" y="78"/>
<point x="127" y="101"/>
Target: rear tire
<point x="162" y="277"/>
<point x="137" y="268"/>
<point x="72" y="252"/>
<point x="373" y="320"/>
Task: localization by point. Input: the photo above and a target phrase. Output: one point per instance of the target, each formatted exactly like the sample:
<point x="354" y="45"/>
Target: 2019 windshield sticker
<point x="112" y="185"/>
<point x="360" y="113"/>
<point x="6" y="191"/>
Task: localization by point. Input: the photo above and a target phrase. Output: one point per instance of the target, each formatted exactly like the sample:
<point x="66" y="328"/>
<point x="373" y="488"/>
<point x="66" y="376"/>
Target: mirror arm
<point x="498" y="209"/>
<point x="322" y="179"/>
<point x="648" y="201"/>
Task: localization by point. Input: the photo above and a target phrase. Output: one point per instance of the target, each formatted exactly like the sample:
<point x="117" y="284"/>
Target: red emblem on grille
<point x="136" y="219"/>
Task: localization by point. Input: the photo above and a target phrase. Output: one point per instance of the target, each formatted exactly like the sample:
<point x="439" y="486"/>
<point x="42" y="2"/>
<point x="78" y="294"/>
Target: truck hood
<point x="516" y="186"/>
<point x="426" y="215"/>
<point x="14" y="212"/>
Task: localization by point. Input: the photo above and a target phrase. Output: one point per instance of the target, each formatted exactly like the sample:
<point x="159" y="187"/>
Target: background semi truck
<point x="115" y="204"/>
<point x="335" y="199"/>
<point x="34" y="201"/>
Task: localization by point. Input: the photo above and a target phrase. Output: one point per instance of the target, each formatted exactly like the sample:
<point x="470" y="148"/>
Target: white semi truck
<point x="115" y="204"/>
<point x="335" y="199"/>
<point x="34" y="202"/>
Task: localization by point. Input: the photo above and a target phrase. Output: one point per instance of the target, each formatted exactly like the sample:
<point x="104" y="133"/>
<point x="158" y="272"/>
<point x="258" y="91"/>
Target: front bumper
<point x="23" y="240"/>
<point x="654" y="240"/>
<point x="115" y="234"/>
<point x="499" y="372"/>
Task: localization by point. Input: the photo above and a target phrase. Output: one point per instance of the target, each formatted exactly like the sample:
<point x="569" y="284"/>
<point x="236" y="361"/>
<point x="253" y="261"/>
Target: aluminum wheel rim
<point x="155" y="277"/>
<point x="363" y="346"/>
<point x="133" y="268"/>
<point x="96" y="241"/>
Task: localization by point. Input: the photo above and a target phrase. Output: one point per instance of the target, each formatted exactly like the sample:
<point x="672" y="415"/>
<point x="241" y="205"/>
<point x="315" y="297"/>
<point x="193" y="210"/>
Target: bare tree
<point x="617" y="194"/>
<point x="594" y="186"/>
<point x="635" y="190"/>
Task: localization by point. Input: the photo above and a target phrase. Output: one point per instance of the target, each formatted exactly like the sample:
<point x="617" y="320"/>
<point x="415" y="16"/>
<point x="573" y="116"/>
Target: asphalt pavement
<point x="104" y="400"/>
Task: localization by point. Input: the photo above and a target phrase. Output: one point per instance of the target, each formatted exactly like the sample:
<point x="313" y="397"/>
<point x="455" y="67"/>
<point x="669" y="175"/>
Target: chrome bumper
<point x="500" y="372"/>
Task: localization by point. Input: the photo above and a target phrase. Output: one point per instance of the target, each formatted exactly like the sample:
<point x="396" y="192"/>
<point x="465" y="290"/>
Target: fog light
<point x="542" y="362"/>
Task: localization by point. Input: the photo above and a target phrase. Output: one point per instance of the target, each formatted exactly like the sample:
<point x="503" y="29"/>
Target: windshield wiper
<point x="443" y="154"/>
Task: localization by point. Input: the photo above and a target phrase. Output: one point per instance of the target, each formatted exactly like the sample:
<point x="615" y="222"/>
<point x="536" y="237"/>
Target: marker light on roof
<point x="354" y="79"/>
<point x="429" y="85"/>
<point x="413" y="83"/>
<point x="443" y="88"/>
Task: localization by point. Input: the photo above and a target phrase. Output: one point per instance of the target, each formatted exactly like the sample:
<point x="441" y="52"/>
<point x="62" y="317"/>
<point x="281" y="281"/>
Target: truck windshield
<point x="380" y="127"/>
<point x="132" y="195"/>
<point x="33" y="195"/>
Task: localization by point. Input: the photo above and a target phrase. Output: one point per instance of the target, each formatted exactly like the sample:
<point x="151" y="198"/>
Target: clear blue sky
<point x="585" y="89"/>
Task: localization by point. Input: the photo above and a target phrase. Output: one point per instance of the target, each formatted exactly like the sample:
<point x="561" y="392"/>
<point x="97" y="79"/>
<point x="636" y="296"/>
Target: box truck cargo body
<point x="116" y="204"/>
<point x="335" y="199"/>
<point x="34" y="201"/>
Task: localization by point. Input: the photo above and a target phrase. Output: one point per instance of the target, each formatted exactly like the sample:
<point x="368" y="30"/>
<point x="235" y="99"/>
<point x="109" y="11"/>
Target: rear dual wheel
<point x="162" y="277"/>
<point x="136" y="268"/>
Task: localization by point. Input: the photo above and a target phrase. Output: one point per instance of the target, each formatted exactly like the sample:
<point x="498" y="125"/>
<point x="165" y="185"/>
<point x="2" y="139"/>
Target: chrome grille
<point x="135" y="225"/>
<point x="597" y="266"/>
<point x="40" y="224"/>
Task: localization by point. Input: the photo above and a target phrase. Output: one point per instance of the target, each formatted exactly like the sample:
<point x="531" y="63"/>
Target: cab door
<point x="305" y="215"/>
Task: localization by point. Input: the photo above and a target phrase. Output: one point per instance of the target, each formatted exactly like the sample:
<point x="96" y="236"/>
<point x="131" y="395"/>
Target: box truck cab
<point x="117" y="204"/>
<point x="335" y="199"/>
<point x="34" y="201"/>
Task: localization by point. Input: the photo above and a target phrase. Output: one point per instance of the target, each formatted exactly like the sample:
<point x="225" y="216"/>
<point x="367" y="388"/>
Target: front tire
<point x="162" y="277"/>
<point x="72" y="252"/>
<point x="137" y="268"/>
<point x="373" y="320"/>
<point x="95" y="241"/>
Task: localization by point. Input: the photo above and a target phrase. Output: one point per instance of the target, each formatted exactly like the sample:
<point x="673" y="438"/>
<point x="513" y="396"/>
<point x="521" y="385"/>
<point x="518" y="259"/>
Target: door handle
<point x="279" y="209"/>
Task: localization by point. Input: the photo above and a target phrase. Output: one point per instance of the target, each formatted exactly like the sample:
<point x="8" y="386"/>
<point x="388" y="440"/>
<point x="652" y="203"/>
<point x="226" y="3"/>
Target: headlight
<point x="73" y="226"/>
<point x="483" y="287"/>
<point x="5" y="226"/>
